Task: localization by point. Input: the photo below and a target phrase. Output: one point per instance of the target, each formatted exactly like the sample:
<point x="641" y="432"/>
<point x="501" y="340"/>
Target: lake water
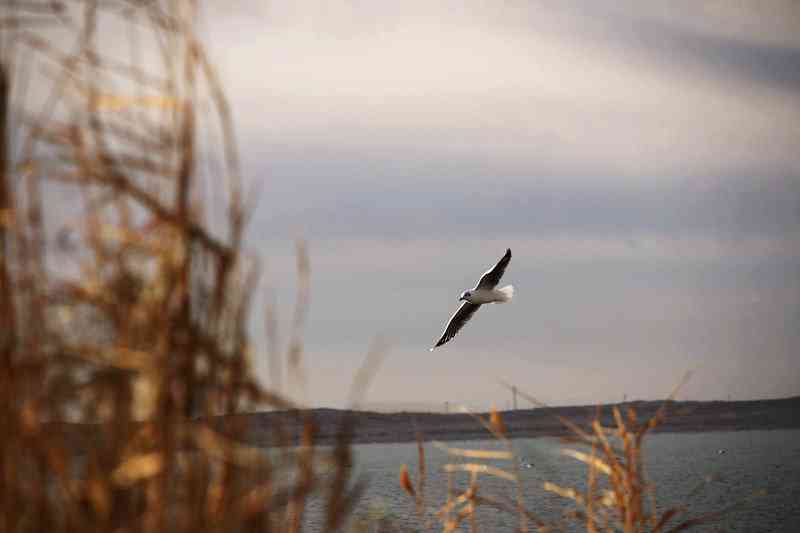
<point x="686" y="468"/>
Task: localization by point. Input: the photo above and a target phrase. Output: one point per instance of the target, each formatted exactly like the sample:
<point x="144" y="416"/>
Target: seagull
<point x="483" y="293"/>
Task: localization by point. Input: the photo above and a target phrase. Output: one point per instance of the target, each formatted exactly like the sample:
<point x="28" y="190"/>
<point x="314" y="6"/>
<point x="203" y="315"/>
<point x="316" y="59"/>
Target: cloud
<point x="363" y="198"/>
<point x="553" y="90"/>
<point x="574" y="119"/>
<point x="641" y="160"/>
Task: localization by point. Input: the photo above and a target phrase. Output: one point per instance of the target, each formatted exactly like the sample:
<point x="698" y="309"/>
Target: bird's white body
<point x="489" y="296"/>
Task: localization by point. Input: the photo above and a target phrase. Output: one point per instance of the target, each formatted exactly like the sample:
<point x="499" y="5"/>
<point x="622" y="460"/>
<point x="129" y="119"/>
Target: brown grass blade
<point x="596" y="462"/>
<point x="475" y="454"/>
<point x="405" y="481"/>
<point x="480" y="469"/>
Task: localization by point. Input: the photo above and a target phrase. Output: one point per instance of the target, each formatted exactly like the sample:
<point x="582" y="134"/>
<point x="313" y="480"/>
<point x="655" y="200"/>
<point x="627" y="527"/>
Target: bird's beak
<point x="461" y="298"/>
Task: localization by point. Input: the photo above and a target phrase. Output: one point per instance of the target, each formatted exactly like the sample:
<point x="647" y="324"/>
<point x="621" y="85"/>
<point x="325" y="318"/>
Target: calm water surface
<point x="687" y="468"/>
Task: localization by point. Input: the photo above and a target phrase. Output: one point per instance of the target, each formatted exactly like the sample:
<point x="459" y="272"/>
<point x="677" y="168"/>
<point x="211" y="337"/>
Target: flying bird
<point x="483" y="293"/>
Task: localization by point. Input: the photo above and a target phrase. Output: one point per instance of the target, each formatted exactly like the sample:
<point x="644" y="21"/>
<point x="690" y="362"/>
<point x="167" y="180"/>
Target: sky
<point x="640" y="159"/>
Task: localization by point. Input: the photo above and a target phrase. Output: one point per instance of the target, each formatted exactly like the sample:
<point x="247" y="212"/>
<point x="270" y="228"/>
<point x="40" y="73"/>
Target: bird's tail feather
<point x="507" y="292"/>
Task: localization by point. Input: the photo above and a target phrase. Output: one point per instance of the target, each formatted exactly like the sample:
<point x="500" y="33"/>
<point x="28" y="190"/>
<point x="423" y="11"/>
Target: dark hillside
<point x="681" y="416"/>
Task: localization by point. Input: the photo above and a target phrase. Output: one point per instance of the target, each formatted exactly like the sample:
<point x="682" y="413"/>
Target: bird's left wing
<point x="457" y="322"/>
<point x="491" y="277"/>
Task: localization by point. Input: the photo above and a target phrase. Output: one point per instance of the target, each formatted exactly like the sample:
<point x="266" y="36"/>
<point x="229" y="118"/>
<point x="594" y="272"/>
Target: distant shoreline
<point x="263" y="428"/>
<point x="681" y="417"/>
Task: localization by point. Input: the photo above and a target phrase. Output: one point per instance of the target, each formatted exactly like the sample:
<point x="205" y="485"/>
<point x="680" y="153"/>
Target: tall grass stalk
<point x="124" y="298"/>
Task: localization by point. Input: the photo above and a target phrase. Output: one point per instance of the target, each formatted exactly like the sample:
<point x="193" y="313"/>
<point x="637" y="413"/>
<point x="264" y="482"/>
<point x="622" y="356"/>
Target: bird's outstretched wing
<point x="491" y="277"/>
<point x="457" y="322"/>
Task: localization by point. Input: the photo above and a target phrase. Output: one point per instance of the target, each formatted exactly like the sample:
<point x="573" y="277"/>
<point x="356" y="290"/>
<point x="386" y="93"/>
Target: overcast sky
<point x="641" y="159"/>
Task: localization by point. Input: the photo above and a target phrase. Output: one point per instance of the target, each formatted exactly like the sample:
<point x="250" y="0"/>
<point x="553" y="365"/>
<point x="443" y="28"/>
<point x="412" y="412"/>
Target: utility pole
<point x="514" y="393"/>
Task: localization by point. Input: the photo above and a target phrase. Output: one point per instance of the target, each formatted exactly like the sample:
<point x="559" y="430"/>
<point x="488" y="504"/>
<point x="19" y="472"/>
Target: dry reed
<point x="124" y="298"/>
<point x="617" y="495"/>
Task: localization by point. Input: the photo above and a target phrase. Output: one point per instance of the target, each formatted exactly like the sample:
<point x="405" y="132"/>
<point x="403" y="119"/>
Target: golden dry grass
<point x="617" y="495"/>
<point x="126" y="312"/>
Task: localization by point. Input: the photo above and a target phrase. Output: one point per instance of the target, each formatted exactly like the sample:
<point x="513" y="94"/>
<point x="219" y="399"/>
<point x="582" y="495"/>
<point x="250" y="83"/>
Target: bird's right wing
<point x="457" y="322"/>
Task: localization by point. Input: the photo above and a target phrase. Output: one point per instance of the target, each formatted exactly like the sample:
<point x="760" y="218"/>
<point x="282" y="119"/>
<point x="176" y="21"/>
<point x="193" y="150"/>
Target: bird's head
<point x="465" y="296"/>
